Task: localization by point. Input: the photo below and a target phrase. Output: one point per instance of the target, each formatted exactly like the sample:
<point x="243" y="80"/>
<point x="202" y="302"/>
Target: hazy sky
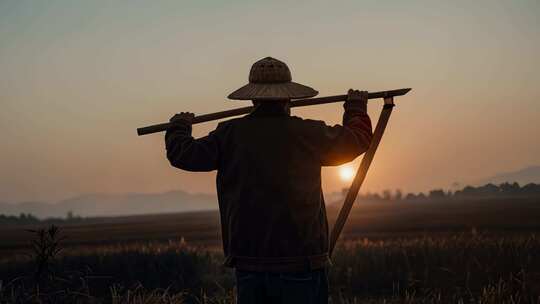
<point x="78" y="77"/>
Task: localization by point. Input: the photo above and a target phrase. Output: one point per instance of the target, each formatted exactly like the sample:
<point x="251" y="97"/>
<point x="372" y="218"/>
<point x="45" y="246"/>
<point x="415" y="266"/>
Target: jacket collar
<point x="269" y="110"/>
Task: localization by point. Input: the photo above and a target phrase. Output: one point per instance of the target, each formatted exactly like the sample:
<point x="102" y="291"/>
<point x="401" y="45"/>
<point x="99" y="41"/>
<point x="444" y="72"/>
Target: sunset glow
<point x="78" y="77"/>
<point x="346" y="173"/>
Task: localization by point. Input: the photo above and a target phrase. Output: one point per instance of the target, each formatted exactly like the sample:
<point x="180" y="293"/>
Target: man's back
<point x="269" y="177"/>
<point x="269" y="187"/>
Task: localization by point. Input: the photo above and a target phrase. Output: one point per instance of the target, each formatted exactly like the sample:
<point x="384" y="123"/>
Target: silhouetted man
<point x="273" y="218"/>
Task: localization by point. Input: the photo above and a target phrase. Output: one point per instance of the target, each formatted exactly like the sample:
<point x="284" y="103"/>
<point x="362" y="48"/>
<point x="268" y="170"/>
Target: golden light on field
<point x="346" y="173"/>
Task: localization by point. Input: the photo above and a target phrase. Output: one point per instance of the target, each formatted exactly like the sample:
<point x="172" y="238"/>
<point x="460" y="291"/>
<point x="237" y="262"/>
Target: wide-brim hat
<point x="270" y="79"/>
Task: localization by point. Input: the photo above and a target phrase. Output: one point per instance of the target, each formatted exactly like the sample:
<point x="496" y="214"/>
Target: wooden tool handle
<point x="295" y="103"/>
<point x="361" y="173"/>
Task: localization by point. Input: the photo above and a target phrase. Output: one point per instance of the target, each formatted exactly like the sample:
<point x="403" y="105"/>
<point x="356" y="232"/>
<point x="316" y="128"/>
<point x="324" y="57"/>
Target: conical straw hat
<point x="271" y="79"/>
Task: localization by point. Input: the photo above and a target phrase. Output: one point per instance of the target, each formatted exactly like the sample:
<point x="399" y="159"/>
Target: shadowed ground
<point x="378" y="219"/>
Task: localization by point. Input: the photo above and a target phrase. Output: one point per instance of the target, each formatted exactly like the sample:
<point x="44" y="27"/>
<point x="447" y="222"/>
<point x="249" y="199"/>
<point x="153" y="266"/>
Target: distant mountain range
<point x="179" y="201"/>
<point x="115" y="204"/>
<point x="122" y="204"/>
<point x="523" y="176"/>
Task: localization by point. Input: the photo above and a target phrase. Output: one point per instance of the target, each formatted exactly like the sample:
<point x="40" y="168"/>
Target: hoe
<point x="387" y="96"/>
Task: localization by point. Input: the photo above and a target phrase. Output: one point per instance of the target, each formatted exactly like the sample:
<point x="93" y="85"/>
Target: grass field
<point x="479" y="251"/>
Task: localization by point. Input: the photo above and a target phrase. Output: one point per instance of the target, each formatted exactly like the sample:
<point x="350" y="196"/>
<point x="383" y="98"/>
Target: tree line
<point x="28" y="218"/>
<point x="467" y="192"/>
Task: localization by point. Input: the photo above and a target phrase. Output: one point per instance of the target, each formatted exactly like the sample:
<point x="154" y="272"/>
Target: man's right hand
<point x="183" y="118"/>
<point x="357" y="100"/>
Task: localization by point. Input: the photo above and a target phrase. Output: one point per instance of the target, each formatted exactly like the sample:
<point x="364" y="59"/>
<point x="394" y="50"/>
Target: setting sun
<point x="346" y="173"/>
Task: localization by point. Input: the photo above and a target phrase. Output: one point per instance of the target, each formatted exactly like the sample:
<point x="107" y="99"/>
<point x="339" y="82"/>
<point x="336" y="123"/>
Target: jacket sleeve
<point x="190" y="154"/>
<point x="343" y="144"/>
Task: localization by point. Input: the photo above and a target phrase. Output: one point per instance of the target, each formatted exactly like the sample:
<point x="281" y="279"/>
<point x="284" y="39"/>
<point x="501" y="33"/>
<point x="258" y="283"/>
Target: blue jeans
<point x="283" y="288"/>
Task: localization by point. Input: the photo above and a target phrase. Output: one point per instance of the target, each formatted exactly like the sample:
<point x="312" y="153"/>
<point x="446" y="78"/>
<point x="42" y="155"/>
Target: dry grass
<point x="454" y="268"/>
<point x="394" y="252"/>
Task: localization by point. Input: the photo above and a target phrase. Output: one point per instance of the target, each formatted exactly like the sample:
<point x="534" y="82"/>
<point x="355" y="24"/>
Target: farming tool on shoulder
<point x="387" y="96"/>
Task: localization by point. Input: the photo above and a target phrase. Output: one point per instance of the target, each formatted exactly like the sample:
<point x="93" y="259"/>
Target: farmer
<point x="273" y="218"/>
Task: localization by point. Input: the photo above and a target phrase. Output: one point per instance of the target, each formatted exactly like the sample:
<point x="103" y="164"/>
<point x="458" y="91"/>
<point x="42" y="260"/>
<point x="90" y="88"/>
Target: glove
<point x="356" y="100"/>
<point x="182" y="121"/>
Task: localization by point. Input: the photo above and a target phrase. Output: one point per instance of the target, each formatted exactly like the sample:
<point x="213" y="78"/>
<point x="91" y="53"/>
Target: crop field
<point x="454" y="251"/>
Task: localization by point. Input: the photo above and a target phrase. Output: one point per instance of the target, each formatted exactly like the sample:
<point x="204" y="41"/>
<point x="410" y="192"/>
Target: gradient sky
<point x="78" y="77"/>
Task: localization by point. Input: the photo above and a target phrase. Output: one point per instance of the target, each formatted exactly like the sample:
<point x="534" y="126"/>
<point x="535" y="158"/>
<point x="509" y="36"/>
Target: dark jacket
<point x="269" y="176"/>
